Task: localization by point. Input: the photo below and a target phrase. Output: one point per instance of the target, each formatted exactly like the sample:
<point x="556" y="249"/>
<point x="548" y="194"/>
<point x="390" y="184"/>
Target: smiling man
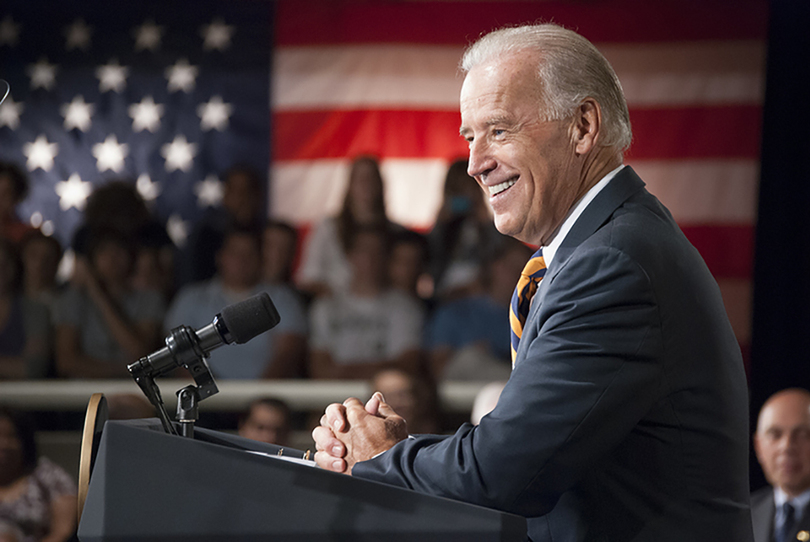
<point x="625" y="418"/>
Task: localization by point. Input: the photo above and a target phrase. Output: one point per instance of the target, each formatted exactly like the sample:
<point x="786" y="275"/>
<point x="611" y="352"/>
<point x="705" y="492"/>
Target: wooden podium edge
<point x="93" y="425"/>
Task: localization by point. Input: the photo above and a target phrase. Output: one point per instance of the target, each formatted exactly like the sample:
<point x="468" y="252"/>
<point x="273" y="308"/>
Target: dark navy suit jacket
<point x="626" y="416"/>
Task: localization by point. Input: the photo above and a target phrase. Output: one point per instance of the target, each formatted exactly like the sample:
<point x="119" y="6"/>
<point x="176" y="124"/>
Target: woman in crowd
<point x="37" y="497"/>
<point x="325" y="268"/>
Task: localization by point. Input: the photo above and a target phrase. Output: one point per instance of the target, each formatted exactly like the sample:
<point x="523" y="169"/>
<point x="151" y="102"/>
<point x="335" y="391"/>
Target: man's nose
<point x="481" y="162"/>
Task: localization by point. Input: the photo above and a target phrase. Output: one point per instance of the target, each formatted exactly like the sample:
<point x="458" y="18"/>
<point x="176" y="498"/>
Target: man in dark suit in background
<point x="782" y="444"/>
<point x="625" y="417"/>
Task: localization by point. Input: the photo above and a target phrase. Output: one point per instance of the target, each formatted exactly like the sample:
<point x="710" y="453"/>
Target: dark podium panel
<point x="148" y="485"/>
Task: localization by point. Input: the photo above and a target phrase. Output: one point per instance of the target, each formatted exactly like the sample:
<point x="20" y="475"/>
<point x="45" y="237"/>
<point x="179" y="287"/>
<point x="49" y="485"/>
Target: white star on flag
<point x="179" y="154"/>
<point x="112" y="76"/>
<point x="110" y="154"/>
<point x="9" y="31"/>
<point x="177" y="229"/>
<point x="217" y="35"/>
<point x="77" y="114"/>
<point x="73" y="192"/>
<point x="209" y="191"/>
<point x="10" y="113"/>
<point x="40" y="153"/>
<point x="147" y="188"/>
<point x="78" y="36"/>
<point x="214" y="114"/>
<point x="42" y="74"/>
<point x="146" y="115"/>
<point x="182" y="76"/>
<point x="148" y="36"/>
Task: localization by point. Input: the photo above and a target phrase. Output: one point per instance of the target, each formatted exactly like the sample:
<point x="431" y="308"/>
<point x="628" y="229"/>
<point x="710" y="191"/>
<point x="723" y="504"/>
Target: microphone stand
<point x="186" y="351"/>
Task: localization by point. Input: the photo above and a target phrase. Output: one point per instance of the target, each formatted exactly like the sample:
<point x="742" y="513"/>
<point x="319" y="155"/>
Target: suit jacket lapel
<point x="618" y="190"/>
<point x="762" y="514"/>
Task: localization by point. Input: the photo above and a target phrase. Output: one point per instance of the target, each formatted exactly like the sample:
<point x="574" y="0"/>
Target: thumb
<point x="383" y="409"/>
<point x="373" y="404"/>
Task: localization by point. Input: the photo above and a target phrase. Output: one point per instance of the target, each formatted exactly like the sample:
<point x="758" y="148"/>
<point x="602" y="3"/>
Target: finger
<point x="385" y="410"/>
<point x="325" y="441"/>
<point x="327" y="462"/>
<point x="336" y="417"/>
<point x="373" y="404"/>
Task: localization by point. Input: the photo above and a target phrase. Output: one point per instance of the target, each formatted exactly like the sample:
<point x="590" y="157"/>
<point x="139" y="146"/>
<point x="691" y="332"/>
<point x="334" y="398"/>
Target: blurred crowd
<point x="357" y="294"/>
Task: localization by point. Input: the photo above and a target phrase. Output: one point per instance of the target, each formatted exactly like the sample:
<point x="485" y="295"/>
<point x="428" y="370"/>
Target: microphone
<point x="237" y="323"/>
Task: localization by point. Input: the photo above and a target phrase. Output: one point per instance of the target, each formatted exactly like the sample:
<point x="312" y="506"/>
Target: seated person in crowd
<point x="40" y="260"/>
<point x="279" y="243"/>
<point x="102" y="323"/>
<point x="25" y="326"/>
<point x="468" y="338"/>
<point x="37" y="497"/>
<point x="241" y="208"/>
<point x="780" y="512"/>
<point x="13" y="189"/>
<point x="278" y="353"/>
<point x="325" y="267"/>
<point x="369" y="326"/>
<point x="266" y="420"/>
<point x="407" y="265"/>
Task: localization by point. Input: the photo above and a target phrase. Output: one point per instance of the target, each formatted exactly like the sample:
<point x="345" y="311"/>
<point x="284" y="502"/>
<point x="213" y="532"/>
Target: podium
<point x="148" y="485"/>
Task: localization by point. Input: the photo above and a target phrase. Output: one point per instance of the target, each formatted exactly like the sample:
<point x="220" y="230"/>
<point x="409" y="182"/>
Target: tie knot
<point x="789" y="511"/>
<point x="535" y="268"/>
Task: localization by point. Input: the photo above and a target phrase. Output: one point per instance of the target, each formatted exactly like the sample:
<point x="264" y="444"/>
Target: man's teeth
<point x="498" y="188"/>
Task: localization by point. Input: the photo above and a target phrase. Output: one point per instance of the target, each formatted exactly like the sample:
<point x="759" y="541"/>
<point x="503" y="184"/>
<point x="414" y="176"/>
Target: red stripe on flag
<point x="312" y="22"/>
<point x="696" y="132"/>
<point x="727" y="250"/>
<point x="666" y="133"/>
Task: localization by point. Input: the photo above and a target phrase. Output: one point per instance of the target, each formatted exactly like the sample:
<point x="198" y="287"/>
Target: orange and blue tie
<point x="530" y="278"/>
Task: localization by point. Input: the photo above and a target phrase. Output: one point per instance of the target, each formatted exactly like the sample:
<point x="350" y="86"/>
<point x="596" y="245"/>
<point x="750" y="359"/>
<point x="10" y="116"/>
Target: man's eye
<point x="497" y="132"/>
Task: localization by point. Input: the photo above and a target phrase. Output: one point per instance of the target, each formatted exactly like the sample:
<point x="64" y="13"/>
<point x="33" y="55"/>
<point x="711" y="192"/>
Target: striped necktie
<point x="526" y="287"/>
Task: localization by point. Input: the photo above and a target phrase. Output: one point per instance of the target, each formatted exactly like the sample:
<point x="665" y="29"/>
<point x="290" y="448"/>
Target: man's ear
<point x="587" y="126"/>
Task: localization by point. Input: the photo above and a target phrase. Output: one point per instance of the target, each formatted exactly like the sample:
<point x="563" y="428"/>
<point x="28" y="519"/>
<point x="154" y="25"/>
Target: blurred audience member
<point x="407" y="265"/>
<point x="279" y="242"/>
<point x="412" y="397"/>
<point x="9" y="532"/>
<point x="13" y="189"/>
<point x="370" y="326"/>
<point x="36" y="496"/>
<point x="154" y="261"/>
<point x="485" y="400"/>
<point x="242" y="208"/>
<point x="325" y="268"/>
<point x="278" y="353"/>
<point x="40" y="260"/>
<point x="267" y="420"/>
<point x="128" y="406"/>
<point x="25" y="327"/>
<point x="102" y="324"/>
<point x="468" y="338"/>
<point x="463" y="237"/>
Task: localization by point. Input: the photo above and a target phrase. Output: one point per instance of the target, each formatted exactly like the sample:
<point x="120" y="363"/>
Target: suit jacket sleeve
<point x="582" y="382"/>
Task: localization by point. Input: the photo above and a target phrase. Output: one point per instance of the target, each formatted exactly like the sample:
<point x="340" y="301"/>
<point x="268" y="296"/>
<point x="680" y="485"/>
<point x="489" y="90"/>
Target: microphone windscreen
<point x="250" y="317"/>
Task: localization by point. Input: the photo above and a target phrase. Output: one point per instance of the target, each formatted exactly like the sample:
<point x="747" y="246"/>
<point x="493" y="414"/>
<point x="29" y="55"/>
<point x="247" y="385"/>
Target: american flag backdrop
<point x="382" y="77"/>
<point x="349" y="77"/>
<point x="166" y="93"/>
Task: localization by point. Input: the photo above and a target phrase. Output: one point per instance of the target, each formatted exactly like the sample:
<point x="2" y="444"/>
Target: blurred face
<point x="523" y="163"/>
<point x="239" y="262"/>
<point x="368" y="258"/>
<point x="364" y="189"/>
<point x="265" y="424"/>
<point x="278" y="251"/>
<point x="782" y="441"/>
<point x="41" y="262"/>
<point x="11" y="458"/>
<point x="241" y="198"/>
<point x="405" y="265"/>
<point x="112" y="262"/>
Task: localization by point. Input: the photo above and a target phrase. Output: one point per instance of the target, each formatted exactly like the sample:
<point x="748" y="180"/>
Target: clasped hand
<point x="352" y="432"/>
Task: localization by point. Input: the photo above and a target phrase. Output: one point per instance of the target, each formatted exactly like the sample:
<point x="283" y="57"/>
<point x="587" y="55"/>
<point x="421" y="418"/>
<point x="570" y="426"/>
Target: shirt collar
<point x="799" y="503"/>
<point x="551" y="248"/>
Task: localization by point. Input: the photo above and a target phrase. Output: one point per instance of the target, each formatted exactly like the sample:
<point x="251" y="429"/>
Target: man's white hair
<point x="570" y="69"/>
